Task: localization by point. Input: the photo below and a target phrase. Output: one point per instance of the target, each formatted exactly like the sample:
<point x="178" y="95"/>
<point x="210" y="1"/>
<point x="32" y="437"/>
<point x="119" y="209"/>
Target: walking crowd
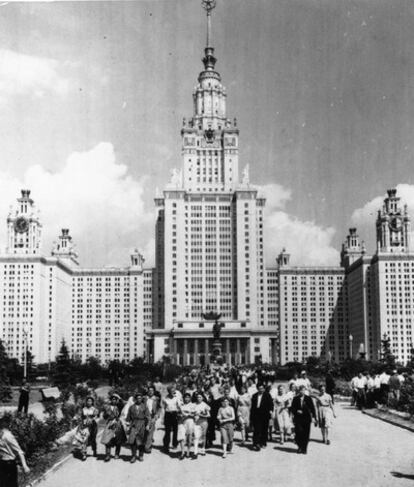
<point x="201" y="404"/>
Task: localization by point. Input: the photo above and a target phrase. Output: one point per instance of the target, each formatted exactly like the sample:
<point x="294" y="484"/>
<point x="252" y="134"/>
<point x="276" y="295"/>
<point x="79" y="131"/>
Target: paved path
<point x="364" y="452"/>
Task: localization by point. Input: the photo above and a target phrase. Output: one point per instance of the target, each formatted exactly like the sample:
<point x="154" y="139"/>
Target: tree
<point x="387" y="358"/>
<point x="63" y="375"/>
<point x="5" y="389"/>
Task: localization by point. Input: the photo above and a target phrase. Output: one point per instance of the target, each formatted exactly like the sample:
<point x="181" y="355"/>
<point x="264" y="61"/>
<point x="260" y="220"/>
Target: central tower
<point x="209" y="231"/>
<point x="209" y="138"/>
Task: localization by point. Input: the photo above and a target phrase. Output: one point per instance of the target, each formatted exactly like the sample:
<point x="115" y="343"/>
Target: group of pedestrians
<point x="253" y="403"/>
<point x="370" y="390"/>
<point x="129" y="423"/>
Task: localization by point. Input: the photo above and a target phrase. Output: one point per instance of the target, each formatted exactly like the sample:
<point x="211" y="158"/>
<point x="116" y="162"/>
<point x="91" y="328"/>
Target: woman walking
<point x="326" y="413"/>
<point x="186" y="416"/>
<point x="202" y="413"/>
<point x="244" y="403"/>
<point x="10" y="452"/>
<point x="138" y="419"/>
<point x="113" y="434"/>
<point x="282" y="414"/>
<point x="88" y="428"/>
<point x="226" y="418"/>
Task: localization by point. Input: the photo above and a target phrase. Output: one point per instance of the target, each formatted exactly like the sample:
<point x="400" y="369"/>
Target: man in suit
<point x="303" y="411"/>
<point x="153" y="405"/>
<point x="260" y="413"/>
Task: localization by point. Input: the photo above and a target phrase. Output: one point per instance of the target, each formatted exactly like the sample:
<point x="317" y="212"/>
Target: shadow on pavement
<point x="286" y="450"/>
<point x="400" y="475"/>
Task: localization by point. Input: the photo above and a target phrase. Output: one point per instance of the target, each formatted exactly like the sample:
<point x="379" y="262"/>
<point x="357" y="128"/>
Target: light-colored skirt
<point x="185" y="430"/>
<point x="200" y="430"/>
<point x="325" y="417"/>
<point x="243" y="414"/>
<point x="227" y="433"/>
<point x="283" y="421"/>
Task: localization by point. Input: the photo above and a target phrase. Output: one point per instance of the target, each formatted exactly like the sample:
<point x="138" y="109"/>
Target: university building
<point x="209" y="248"/>
<point x="103" y="313"/>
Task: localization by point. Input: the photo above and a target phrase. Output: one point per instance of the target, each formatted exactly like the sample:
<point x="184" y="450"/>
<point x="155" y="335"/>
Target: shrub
<point x="406" y="402"/>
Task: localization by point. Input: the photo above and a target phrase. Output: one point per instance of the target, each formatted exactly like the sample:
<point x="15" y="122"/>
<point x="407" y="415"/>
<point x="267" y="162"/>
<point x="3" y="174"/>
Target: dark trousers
<point x="260" y="430"/>
<point x="384" y="390"/>
<point x="8" y="473"/>
<point x="302" y="433"/>
<point x="23" y="404"/>
<point x="171" y="426"/>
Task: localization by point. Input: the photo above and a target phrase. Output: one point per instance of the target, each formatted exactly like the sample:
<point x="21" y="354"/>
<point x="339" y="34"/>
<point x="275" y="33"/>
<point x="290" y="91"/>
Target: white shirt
<point x="360" y="382"/>
<point x="259" y="399"/>
<point x="384" y="378"/>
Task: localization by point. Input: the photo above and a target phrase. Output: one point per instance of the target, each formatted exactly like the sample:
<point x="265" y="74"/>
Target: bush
<point x="406" y="402"/>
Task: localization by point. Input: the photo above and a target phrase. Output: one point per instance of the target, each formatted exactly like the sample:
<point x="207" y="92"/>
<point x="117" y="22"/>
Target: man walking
<point x="303" y="411"/>
<point x="153" y="406"/>
<point x="260" y="413"/>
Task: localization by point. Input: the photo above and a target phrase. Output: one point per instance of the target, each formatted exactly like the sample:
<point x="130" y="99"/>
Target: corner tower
<point x="393" y="226"/>
<point x="23" y="227"/>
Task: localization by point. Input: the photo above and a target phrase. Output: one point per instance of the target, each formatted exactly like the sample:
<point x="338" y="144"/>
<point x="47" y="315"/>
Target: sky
<point x="92" y="97"/>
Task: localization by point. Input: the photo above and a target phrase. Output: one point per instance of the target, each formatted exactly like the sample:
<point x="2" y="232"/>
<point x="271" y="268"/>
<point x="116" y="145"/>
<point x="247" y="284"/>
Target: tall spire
<point x="209" y="59"/>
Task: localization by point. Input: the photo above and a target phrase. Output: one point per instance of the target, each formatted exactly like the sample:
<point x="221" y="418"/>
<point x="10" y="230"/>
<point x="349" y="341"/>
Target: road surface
<point x="364" y="452"/>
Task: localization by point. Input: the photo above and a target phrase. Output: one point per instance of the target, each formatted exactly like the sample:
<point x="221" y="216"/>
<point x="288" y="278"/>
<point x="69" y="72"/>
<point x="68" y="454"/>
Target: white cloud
<point x="306" y="242"/>
<point x="93" y="196"/>
<point x="21" y="74"/>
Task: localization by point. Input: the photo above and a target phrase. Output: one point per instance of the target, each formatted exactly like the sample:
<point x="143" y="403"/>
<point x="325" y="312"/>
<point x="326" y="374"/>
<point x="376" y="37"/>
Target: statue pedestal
<point x="216" y="355"/>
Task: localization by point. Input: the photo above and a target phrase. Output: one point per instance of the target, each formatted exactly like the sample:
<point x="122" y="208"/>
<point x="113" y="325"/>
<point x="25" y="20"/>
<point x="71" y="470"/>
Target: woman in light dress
<point x="244" y="402"/>
<point x="88" y="427"/>
<point x="186" y="415"/>
<point x="202" y="413"/>
<point x="226" y="418"/>
<point x="283" y="422"/>
<point x="326" y="413"/>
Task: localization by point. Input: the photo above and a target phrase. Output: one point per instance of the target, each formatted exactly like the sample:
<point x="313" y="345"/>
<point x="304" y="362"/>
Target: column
<point x="196" y="357"/>
<point x="238" y="358"/>
<point x="247" y="351"/>
<point x="185" y="354"/>
<point x="207" y="352"/>
<point x="228" y="357"/>
<point x="173" y="350"/>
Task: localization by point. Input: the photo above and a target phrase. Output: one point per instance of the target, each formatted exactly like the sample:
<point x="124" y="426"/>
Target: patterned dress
<point x="113" y="433"/>
<point x="202" y="411"/>
<point x="243" y="411"/>
<point x="282" y="415"/>
<point x="325" y="412"/>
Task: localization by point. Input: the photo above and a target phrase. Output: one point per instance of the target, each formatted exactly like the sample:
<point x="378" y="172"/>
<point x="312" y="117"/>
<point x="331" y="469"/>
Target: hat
<point x="117" y="396"/>
<point x="303" y="372"/>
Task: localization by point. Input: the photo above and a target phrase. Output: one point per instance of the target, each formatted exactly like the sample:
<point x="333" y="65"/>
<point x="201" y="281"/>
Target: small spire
<point x="209" y="60"/>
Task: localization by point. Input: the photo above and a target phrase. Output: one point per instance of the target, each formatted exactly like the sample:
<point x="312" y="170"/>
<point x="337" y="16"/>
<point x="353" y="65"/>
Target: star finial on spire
<point x="208" y="6"/>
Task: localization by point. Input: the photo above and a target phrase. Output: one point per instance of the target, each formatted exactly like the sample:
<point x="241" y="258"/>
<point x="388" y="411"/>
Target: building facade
<point x="209" y="249"/>
<point x="209" y="240"/>
<point x="104" y="313"/>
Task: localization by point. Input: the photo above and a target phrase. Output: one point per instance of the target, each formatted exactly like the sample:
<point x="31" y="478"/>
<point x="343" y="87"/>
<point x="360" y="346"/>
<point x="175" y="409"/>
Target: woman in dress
<point x="326" y="413"/>
<point x="113" y="434"/>
<point x="88" y="428"/>
<point x="226" y="418"/>
<point x="202" y="413"/>
<point x="137" y="419"/>
<point x="186" y="414"/>
<point x="282" y="415"/>
<point x="244" y="403"/>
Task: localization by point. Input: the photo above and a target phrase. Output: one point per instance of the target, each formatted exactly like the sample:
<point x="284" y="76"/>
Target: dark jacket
<point x="303" y="413"/>
<point x="265" y="408"/>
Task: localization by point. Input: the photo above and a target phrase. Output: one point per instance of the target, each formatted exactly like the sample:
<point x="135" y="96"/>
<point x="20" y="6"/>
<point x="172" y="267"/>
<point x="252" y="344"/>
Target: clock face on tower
<point x="21" y="225"/>
<point x="395" y="224"/>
